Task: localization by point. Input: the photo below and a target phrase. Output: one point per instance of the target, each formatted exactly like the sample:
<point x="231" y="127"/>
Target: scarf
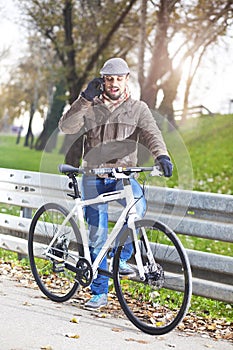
<point x="113" y="104"/>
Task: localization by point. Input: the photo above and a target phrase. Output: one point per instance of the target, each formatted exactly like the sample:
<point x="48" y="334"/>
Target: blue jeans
<point x="97" y="219"/>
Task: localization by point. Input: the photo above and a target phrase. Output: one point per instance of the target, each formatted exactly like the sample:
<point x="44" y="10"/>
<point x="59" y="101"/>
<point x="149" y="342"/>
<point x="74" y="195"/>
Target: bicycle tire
<point x="53" y="278"/>
<point x="155" y="309"/>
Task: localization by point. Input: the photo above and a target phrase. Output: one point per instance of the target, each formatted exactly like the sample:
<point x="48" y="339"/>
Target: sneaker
<point x="97" y="301"/>
<point x="125" y="269"/>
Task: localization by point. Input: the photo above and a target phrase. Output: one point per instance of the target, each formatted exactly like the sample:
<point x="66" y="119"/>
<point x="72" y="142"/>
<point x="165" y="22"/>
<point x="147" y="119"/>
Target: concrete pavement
<point x="29" y="321"/>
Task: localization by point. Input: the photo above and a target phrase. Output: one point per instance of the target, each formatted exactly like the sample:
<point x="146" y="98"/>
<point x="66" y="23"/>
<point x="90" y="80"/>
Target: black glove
<point x="94" y="88"/>
<point x="166" y="165"/>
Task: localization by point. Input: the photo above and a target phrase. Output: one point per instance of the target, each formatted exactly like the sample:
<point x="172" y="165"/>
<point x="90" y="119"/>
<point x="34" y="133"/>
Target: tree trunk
<point x="160" y="63"/>
<point x="48" y="137"/>
<point x="142" y="40"/>
<point x="170" y="91"/>
<point x="29" y="138"/>
<point x="191" y="75"/>
<point x="71" y="75"/>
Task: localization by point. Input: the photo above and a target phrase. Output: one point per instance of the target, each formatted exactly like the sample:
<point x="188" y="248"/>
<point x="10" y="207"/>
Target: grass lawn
<point x="209" y="144"/>
<point x="19" y="157"/>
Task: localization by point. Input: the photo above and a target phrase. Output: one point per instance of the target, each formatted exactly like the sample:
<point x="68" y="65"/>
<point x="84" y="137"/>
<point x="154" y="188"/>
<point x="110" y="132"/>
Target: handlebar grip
<point x="66" y="168"/>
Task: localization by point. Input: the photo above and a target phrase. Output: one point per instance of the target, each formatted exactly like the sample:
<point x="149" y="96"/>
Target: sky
<point x="11" y="35"/>
<point x="213" y="83"/>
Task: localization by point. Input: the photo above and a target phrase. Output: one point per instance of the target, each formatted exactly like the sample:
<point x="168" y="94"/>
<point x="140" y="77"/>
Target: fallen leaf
<point x="47" y="347"/>
<point x="137" y="341"/>
<point x="26" y="303"/>
<point x="117" y="329"/>
<point x="211" y="327"/>
<point x="142" y="342"/>
<point x="74" y="320"/>
<point x="72" y="335"/>
<point x="228" y="336"/>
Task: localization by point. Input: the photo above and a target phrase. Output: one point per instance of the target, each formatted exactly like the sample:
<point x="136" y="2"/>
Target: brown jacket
<point x="112" y="138"/>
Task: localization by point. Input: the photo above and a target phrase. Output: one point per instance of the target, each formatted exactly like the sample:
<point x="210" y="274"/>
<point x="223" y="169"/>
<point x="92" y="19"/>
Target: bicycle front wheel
<point x="49" y="267"/>
<point x="157" y="304"/>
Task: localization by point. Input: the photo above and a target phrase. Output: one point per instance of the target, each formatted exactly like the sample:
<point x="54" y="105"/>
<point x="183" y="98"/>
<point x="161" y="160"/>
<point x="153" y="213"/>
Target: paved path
<point x="29" y="321"/>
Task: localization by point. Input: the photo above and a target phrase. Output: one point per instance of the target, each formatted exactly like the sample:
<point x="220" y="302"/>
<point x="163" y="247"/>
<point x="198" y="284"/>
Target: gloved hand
<point x="94" y="88"/>
<point x="166" y="165"/>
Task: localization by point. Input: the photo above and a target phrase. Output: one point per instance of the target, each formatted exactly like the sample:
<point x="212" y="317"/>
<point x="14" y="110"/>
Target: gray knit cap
<point x="115" y="66"/>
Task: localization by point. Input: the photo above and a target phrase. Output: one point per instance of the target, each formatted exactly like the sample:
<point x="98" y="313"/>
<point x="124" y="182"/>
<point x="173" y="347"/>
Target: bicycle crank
<point x="84" y="273"/>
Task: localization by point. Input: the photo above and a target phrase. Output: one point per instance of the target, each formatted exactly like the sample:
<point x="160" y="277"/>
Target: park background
<point x="180" y="55"/>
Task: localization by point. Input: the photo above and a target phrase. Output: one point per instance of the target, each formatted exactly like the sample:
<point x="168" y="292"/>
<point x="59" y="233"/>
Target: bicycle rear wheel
<point x="50" y="272"/>
<point x="158" y="304"/>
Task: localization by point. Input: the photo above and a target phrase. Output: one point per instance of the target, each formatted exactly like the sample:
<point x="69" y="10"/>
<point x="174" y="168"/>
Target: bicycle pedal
<point x="58" y="268"/>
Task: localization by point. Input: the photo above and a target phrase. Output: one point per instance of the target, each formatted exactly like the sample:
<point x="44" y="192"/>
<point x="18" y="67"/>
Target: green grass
<point x="207" y="245"/>
<point x="208" y="143"/>
<point x="213" y="309"/>
<point x="19" y="157"/>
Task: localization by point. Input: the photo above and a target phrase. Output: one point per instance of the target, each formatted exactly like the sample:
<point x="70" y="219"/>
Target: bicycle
<point x="155" y="298"/>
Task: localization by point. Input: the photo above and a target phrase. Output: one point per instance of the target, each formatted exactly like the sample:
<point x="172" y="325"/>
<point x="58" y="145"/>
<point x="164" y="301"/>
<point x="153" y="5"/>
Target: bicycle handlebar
<point x="69" y="170"/>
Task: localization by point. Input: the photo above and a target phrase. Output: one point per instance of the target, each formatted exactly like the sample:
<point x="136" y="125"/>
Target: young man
<point x="113" y="124"/>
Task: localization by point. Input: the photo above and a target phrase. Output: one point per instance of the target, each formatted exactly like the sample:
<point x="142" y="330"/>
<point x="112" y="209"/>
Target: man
<point x="113" y="124"/>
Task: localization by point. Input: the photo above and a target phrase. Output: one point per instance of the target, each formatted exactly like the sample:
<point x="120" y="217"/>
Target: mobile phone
<point x="102" y="85"/>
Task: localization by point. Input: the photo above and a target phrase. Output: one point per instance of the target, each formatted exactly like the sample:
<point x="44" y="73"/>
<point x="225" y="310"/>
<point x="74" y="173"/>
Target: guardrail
<point x="199" y="214"/>
<point x="194" y="111"/>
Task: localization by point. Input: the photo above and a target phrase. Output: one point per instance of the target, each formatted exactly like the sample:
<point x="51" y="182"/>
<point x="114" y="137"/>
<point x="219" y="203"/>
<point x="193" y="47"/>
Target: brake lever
<point x="156" y="171"/>
<point x="119" y="174"/>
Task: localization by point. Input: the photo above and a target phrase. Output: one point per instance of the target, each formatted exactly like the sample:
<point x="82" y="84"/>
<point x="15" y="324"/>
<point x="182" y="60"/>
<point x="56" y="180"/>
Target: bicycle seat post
<point x="75" y="185"/>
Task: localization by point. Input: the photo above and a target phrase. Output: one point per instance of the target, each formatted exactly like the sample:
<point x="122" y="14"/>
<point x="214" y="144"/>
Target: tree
<point x="197" y="26"/>
<point x="80" y="32"/>
<point x="18" y="96"/>
<point x="27" y="88"/>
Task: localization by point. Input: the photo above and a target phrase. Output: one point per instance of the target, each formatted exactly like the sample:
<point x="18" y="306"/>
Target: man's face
<point x="115" y="85"/>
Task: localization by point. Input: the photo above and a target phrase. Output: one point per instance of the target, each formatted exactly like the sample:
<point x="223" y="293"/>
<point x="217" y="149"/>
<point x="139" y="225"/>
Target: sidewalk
<point x="29" y="321"/>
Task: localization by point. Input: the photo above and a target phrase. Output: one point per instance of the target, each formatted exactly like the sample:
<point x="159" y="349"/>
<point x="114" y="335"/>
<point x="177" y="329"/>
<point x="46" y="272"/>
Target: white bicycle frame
<point x="129" y="212"/>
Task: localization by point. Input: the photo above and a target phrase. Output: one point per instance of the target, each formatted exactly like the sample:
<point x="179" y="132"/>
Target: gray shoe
<point x="97" y="301"/>
<point x="125" y="269"/>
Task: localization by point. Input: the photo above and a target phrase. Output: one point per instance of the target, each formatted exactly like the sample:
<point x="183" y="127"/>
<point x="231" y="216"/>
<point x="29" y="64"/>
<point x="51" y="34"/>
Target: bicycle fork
<point x="151" y="265"/>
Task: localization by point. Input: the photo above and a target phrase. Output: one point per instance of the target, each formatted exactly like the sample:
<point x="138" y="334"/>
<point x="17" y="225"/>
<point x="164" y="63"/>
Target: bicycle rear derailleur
<point x="60" y="251"/>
